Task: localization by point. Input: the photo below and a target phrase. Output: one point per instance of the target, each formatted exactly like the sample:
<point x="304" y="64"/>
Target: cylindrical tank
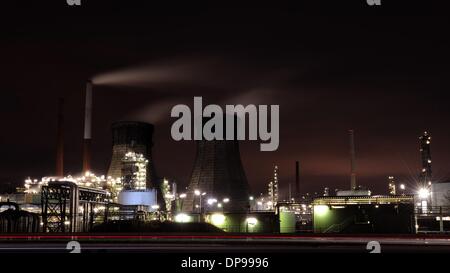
<point x="138" y="198"/>
<point x="16" y="220"/>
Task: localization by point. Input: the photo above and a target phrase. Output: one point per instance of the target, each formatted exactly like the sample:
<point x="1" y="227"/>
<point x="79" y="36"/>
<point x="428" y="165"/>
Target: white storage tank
<point x="138" y="198"/>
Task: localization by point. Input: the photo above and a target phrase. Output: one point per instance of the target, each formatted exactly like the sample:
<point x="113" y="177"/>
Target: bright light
<point x="423" y="193"/>
<point x="226" y="200"/>
<point x="217" y="219"/>
<point x="182" y="218"/>
<point x="402" y="186"/>
<point x="155" y="207"/>
<point x="251" y="221"/>
<point x="169" y="196"/>
<point x="197" y="192"/>
<point x="321" y="210"/>
<point x="183" y="195"/>
<point x="211" y="201"/>
<point x="251" y="198"/>
<point x="219" y="205"/>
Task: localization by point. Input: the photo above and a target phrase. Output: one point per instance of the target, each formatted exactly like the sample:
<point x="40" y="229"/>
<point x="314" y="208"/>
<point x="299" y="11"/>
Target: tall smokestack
<point x="425" y="152"/>
<point x="352" y="161"/>
<point x="297" y="179"/>
<point x="60" y="139"/>
<point x="87" y="129"/>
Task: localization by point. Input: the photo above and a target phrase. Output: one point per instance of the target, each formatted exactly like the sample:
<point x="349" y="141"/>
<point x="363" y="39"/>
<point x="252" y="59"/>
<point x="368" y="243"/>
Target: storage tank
<point x="146" y="198"/>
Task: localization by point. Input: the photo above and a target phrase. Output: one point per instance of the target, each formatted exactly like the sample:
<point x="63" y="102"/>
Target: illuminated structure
<point x="440" y="194"/>
<point x="169" y="192"/>
<point x="364" y="214"/>
<point x="392" y="188"/>
<point x="131" y="137"/>
<point x="143" y="199"/>
<point x="132" y="145"/>
<point x="88" y="180"/>
<point x="273" y="188"/>
<point x="67" y="207"/>
<point x="261" y="222"/>
<point x="294" y="216"/>
<point x="425" y="153"/>
<point x="134" y="171"/>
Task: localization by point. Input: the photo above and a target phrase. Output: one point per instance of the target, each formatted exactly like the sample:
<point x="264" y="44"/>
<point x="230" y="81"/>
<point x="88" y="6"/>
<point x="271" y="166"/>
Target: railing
<point x="432" y="220"/>
<point x="337" y="228"/>
<point x="433" y="211"/>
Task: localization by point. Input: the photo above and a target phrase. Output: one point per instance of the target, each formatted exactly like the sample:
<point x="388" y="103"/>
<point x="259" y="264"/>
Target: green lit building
<point x="364" y="214"/>
<point x="251" y="222"/>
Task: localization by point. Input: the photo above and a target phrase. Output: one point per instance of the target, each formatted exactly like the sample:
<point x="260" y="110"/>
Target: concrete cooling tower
<point x="132" y="136"/>
<point x="217" y="172"/>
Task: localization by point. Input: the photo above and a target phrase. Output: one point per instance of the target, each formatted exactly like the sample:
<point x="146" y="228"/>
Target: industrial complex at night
<point x="218" y="193"/>
<point x="254" y="130"/>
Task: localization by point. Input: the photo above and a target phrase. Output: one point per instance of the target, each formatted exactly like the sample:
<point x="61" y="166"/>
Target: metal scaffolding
<point x="66" y="207"/>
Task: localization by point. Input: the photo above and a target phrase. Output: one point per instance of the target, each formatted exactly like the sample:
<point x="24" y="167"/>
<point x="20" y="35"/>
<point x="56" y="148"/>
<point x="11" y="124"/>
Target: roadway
<point x="225" y="244"/>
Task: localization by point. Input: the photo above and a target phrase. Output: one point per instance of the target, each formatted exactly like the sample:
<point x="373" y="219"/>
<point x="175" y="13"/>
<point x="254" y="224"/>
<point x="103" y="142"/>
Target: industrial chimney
<point x="87" y="129"/>
<point x="425" y="154"/>
<point x="297" y="179"/>
<point x="352" y="161"/>
<point x="59" y="171"/>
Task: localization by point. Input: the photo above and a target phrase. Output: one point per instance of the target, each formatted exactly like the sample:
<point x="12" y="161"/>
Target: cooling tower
<point x="131" y="136"/>
<point x="218" y="173"/>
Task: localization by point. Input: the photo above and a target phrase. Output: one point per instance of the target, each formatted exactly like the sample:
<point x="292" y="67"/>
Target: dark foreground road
<point x="223" y="244"/>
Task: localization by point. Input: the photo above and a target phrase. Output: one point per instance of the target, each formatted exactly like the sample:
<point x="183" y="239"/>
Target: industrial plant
<point x="218" y="194"/>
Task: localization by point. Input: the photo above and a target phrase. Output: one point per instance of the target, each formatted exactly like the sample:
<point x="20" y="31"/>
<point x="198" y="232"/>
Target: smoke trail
<point x="149" y="75"/>
<point x="156" y="112"/>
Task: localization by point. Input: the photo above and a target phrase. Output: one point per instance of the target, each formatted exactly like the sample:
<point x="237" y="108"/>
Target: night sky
<point x="386" y="77"/>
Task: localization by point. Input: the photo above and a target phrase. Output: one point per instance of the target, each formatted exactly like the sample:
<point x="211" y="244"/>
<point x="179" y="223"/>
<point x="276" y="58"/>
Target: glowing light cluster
<point x="138" y="164"/>
<point x="169" y="194"/>
<point x="273" y="189"/>
<point x="182" y="218"/>
<point x="89" y="180"/>
<point x="424" y="193"/>
<point x="218" y="219"/>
